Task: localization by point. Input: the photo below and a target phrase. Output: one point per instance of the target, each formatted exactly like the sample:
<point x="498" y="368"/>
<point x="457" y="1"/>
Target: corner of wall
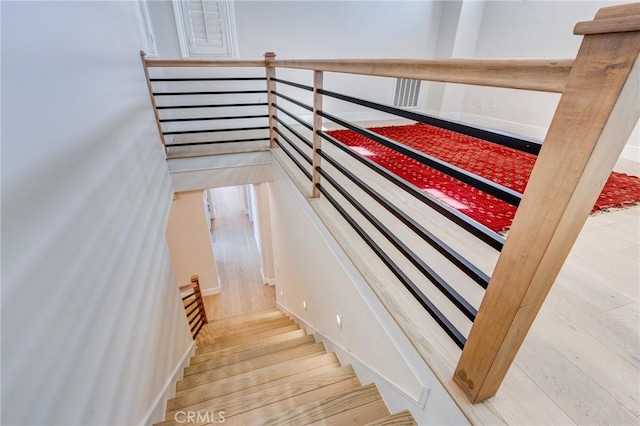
<point x="158" y="408"/>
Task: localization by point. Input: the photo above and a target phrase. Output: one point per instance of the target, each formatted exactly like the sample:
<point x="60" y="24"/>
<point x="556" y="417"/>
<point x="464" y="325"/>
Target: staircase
<point x="262" y="369"/>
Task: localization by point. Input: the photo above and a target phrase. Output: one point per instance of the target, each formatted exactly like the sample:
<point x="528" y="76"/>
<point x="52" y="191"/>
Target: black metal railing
<point x="294" y="152"/>
<point x="179" y="98"/>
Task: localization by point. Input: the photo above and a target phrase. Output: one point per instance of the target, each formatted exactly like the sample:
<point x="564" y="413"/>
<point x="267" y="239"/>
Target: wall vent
<point x="406" y="93"/>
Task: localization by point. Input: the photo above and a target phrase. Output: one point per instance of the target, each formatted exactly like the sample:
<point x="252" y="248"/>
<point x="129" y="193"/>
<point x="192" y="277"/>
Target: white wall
<point x="330" y="285"/>
<point x="189" y="240"/>
<point x="92" y="324"/>
<point x="532" y="29"/>
<point x="323" y="29"/>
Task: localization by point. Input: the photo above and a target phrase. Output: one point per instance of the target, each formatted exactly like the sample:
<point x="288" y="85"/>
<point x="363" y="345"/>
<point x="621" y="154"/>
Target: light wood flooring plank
<point x="247" y="380"/>
<point x="215" y="374"/>
<point x="265" y="341"/>
<point x="213" y="403"/>
<point x="356" y="416"/>
<point x="242" y="339"/>
<point x="256" y="416"/>
<point x="237" y="259"/>
<point x="403" y="418"/>
<point x="245" y="355"/>
<point x="254" y="399"/>
<point x="327" y="407"/>
<point x="235" y="332"/>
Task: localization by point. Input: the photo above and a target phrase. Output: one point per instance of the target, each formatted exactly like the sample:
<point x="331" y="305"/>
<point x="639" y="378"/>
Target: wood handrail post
<point x="595" y="117"/>
<point x="143" y="58"/>
<point x="271" y="97"/>
<point x="195" y="279"/>
<point x="317" y="126"/>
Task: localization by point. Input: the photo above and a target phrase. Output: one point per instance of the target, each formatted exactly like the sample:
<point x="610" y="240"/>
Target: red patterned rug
<point x="506" y="166"/>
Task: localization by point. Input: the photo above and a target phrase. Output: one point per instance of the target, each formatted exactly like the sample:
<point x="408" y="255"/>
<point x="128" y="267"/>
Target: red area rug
<point x="506" y="166"/>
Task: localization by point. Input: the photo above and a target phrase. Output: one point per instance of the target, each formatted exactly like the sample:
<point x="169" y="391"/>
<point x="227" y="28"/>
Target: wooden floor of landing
<point x="237" y="260"/>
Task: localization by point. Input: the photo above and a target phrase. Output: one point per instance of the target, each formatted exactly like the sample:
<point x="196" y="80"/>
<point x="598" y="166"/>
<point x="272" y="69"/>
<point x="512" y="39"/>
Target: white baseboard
<point x="212" y="291"/>
<point x="631" y="153"/>
<point x="267" y="280"/>
<point x="168" y="391"/>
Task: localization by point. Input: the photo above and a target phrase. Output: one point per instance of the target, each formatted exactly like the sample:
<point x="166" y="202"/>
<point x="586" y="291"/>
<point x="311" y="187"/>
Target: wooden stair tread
<point x="257" y="415"/>
<point x="233" y="405"/>
<point x="232" y="333"/>
<point x="247" y="317"/>
<point x="403" y="418"/>
<point x="247" y="380"/>
<point x="331" y="406"/>
<point x="287" y="355"/>
<point x="245" y="338"/>
<point x="245" y="355"/>
<point x="259" y="342"/>
<point x="356" y="416"/>
<point x="262" y="368"/>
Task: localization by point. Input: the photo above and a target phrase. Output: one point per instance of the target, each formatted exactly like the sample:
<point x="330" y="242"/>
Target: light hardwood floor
<point x="237" y="260"/>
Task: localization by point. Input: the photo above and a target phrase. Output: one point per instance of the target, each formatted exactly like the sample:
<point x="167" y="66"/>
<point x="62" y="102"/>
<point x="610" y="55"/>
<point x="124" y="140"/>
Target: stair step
<point x="225" y="326"/>
<point x="245" y="355"/>
<point x="259" y="342"/>
<point x="244" y="318"/>
<point x="211" y="403"/>
<point x="254" y="399"/>
<point x="403" y="418"/>
<point x="247" y="380"/>
<point x="287" y="355"/>
<point x="208" y="347"/>
<point x="325" y="408"/>
<point x="356" y="416"/>
<point x="258" y="415"/>
<point x="234" y="332"/>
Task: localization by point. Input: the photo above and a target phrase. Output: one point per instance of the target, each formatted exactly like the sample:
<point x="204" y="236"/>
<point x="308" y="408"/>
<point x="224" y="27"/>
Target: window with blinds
<point x="208" y="28"/>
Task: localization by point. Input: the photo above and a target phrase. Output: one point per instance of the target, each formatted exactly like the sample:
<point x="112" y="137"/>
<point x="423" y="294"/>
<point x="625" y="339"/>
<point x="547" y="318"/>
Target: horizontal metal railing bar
<point x="230" y="117"/>
<point x="543" y="75"/>
<point x="449" y="253"/>
<point x="435" y="313"/>
<point x="293" y="101"/>
<point x="295" y="117"/>
<point x="294" y="146"/>
<point x="478" y="230"/>
<point x="181" y="63"/>
<point x="294" y="84"/>
<point x="185" y="132"/>
<point x="294" y="131"/>
<point x="295" y="161"/>
<point x="499" y="191"/>
<point x="520" y="144"/>
<point x="449" y="292"/>
<point x="210" y="79"/>
<point x="217" y="92"/>
<point x="213" y="106"/>
<point x="217" y="142"/>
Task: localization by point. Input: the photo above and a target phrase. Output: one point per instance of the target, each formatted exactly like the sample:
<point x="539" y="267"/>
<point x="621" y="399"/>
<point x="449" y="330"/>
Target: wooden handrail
<point x="544" y="75"/>
<point x="594" y="119"/>
<point x="186" y="287"/>
<point x="176" y="63"/>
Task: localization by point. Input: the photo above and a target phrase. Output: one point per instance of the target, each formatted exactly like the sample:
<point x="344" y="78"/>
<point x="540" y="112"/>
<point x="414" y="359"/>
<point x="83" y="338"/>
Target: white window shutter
<point x="208" y="28"/>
